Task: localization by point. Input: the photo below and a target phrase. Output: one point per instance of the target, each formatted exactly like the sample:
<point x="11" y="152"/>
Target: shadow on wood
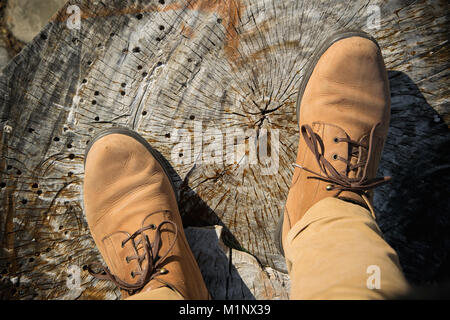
<point x="220" y="256"/>
<point x="413" y="209"/>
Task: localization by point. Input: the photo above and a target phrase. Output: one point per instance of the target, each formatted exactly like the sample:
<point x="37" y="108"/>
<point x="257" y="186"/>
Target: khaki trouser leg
<point x="335" y="252"/>
<point x="163" y="293"/>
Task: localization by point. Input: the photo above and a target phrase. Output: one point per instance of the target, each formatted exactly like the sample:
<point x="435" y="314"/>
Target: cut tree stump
<point x="184" y="74"/>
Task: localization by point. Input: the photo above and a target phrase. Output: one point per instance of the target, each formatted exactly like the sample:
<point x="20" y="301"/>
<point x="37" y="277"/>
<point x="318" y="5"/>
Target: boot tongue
<point x="357" y="155"/>
<point x="342" y="155"/>
<point x="162" y="239"/>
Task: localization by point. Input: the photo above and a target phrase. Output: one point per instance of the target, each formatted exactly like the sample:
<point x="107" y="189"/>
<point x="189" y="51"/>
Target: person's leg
<point x="132" y="212"/>
<point x="328" y="232"/>
<point x="336" y="251"/>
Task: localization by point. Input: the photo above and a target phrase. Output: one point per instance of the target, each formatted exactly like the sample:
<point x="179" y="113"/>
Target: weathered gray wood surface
<point x="155" y="66"/>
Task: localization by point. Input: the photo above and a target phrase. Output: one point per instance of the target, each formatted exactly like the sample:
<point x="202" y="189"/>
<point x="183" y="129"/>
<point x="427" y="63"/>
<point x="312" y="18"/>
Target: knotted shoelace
<point x="339" y="180"/>
<point x="151" y="254"/>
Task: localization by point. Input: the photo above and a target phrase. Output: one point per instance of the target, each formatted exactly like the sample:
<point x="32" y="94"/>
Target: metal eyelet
<point x="335" y="156"/>
<point x="329" y="187"/>
<point x="163" y="271"/>
<point x="132" y="274"/>
<point x="336" y="140"/>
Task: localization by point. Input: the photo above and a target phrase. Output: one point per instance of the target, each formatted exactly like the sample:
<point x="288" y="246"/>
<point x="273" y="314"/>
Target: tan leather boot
<point x="132" y="212"/>
<point x="343" y="111"/>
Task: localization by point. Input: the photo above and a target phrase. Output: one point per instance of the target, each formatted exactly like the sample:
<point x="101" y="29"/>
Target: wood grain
<point x="195" y="66"/>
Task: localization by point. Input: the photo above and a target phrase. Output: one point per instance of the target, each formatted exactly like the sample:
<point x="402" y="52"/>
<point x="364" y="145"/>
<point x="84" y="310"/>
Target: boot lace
<point x="151" y="254"/>
<point x="339" y="180"/>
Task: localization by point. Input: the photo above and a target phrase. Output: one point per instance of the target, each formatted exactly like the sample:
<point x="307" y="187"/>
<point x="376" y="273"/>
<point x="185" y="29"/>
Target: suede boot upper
<point x="133" y="216"/>
<point x="343" y="120"/>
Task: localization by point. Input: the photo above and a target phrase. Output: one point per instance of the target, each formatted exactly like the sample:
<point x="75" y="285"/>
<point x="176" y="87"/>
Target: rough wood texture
<point x="156" y="66"/>
<point x="233" y="274"/>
